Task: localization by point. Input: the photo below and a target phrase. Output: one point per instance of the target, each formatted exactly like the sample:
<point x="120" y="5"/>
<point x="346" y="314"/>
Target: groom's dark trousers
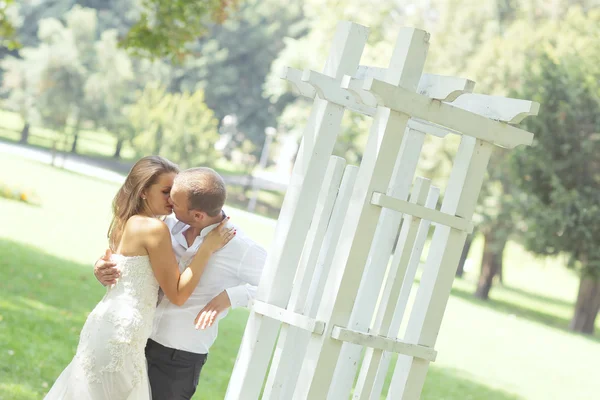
<point x="173" y="373"/>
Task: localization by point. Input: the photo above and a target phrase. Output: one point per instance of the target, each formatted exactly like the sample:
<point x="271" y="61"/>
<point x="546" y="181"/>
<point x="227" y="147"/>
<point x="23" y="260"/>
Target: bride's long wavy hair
<point x="128" y="201"/>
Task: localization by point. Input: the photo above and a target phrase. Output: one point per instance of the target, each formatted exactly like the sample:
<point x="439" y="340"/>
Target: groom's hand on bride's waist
<point x="105" y="270"/>
<point x="208" y="315"/>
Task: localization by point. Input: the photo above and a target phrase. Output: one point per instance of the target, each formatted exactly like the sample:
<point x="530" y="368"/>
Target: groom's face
<point x="180" y="203"/>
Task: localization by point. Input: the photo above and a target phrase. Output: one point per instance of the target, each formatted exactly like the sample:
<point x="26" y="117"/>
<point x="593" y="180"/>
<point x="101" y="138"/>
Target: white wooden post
<point x="351" y="255"/>
<point x="403" y="266"/>
<point x="402" y="300"/>
<point x="327" y="313"/>
<point x="389" y="223"/>
<point x="426" y="316"/>
<point x="295" y="217"/>
<point x="315" y="261"/>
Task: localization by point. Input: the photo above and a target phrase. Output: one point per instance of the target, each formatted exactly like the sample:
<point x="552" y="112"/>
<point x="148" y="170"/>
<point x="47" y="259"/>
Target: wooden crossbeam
<point x="405" y="207"/>
<point x="497" y="108"/>
<point x="288" y="317"/>
<point x="450" y="116"/>
<point x="384" y="343"/>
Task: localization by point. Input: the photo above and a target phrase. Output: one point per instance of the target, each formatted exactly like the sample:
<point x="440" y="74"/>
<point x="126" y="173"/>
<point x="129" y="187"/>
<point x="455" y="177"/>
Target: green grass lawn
<point x="514" y="347"/>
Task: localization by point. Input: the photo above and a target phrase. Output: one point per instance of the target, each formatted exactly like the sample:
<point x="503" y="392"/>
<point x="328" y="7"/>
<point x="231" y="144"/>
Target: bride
<point x="110" y="361"/>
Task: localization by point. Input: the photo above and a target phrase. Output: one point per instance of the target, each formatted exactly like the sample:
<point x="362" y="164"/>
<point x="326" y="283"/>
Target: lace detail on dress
<point x="114" y="336"/>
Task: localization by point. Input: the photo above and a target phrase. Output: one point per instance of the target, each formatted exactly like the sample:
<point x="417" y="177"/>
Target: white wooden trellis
<point x="338" y="224"/>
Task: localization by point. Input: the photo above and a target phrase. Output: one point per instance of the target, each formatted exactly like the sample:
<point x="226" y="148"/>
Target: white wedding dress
<point x="110" y="362"/>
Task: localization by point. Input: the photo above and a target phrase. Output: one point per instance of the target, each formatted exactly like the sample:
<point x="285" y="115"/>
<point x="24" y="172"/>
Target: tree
<point x="148" y="116"/>
<point x="560" y="175"/>
<point x="20" y="80"/>
<point x="166" y="28"/>
<point x="7" y="26"/>
<point x="178" y="126"/>
<point x="150" y="28"/>
<point x="473" y="40"/>
<point x="110" y="89"/>
<point x="66" y="59"/>
<point x="232" y="62"/>
<point x="191" y="134"/>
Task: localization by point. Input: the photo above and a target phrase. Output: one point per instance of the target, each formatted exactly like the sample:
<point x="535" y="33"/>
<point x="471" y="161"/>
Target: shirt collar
<point x="209" y="228"/>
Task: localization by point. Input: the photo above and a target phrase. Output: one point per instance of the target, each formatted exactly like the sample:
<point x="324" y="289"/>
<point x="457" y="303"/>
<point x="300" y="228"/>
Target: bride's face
<point x="157" y="195"/>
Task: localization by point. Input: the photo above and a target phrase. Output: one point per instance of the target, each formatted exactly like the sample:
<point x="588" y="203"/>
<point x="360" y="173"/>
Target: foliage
<point x="7" y="27"/>
<point x="166" y="28"/>
<point x="232" y="62"/>
<point x="178" y="126"/>
<point x="21" y="82"/>
<point x="109" y="88"/>
<point x="64" y="66"/>
<point x="560" y="175"/>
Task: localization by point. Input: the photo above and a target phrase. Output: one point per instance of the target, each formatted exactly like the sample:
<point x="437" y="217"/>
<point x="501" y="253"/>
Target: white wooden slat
<point x="407" y="284"/>
<point x="294" y="76"/>
<point x="383" y="343"/>
<point x="445" y="88"/>
<point x="288" y="317"/>
<point x="389" y="221"/>
<point x="329" y="88"/>
<point x="439" y="87"/>
<point x="350" y="256"/>
<point x="429" y="128"/>
<point x="305" y="273"/>
<point x="365" y="71"/>
<point x="294" y="221"/>
<point x="309" y="83"/>
<point x="382" y="148"/>
<point x="425" y="319"/>
<point x="405" y="244"/>
<point x="497" y="108"/>
<point x="291" y="361"/>
<point x="466" y="122"/>
<point x="438" y="217"/>
<point x="316" y="233"/>
<point x="379" y="255"/>
<point x="408" y="252"/>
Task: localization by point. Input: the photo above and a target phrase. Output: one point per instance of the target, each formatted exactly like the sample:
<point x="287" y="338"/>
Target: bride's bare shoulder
<point x="141" y="224"/>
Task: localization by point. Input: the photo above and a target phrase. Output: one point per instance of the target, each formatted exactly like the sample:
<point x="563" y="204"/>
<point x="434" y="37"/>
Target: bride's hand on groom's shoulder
<point x="105" y="270"/>
<point x="219" y="236"/>
<point x="208" y="315"/>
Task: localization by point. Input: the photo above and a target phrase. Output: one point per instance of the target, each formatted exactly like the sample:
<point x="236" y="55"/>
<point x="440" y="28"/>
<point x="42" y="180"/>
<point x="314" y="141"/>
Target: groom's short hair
<point x="205" y="189"/>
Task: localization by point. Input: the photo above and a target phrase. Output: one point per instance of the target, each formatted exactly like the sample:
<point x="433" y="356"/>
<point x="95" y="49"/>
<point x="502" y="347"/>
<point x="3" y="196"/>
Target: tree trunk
<point x="500" y="272"/>
<point x="118" y="148"/>
<point x="491" y="261"/>
<point x="587" y="306"/>
<point x="75" y="135"/>
<point x="25" y="134"/>
<point x="65" y="145"/>
<point x="53" y="151"/>
<point x="463" y="256"/>
<point x="74" y="145"/>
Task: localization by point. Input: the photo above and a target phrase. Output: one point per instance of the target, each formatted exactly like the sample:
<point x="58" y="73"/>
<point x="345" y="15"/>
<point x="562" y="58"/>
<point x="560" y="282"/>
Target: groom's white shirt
<point x="236" y="268"/>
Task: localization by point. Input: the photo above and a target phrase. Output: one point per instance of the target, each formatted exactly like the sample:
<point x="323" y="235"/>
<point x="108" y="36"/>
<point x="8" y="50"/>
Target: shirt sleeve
<point x="249" y="272"/>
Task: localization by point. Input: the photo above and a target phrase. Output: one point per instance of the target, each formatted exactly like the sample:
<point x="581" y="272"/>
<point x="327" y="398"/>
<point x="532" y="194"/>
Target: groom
<point x="182" y="336"/>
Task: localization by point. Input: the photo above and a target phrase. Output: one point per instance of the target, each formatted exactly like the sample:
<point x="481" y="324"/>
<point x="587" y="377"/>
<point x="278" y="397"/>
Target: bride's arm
<point x="178" y="287"/>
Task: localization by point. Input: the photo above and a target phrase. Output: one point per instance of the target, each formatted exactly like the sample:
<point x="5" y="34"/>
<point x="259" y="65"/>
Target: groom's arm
<point x="105" y="271"/>
<point x="249" y="271"/>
